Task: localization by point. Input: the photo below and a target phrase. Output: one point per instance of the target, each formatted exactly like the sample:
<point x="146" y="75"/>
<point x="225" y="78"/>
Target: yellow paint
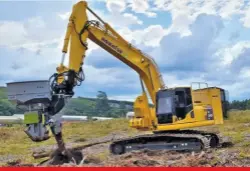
<point x="145" y="117"/>
<point x="77" y="20"/>
<point x="184" y="125"/>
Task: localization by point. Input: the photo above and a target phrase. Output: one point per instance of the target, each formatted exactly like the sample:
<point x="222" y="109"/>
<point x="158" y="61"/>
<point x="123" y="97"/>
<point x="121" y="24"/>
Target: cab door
<point x="165" y="106"/>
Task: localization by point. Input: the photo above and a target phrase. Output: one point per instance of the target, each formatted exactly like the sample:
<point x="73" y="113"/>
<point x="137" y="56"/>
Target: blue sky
<point x="192" y="40"/>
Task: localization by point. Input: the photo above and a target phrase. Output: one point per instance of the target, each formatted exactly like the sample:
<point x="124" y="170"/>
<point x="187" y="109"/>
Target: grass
<point x="94" y="129"/>
<point x="13" y="141"/>
<point x="237" y="125"/>
<point x="239" y="116"/>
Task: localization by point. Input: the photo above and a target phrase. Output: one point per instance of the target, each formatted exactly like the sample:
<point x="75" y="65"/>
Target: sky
<point x="191" y="41"/>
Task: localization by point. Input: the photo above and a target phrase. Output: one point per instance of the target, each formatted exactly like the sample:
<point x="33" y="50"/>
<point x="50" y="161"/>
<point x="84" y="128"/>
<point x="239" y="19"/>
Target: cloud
<point x="36" y="22"/>
<point x="193" y="58"/>
<point x="150" y="36"/>
<point x="64" y="16"/>
<point x="184" y="13"/>
<point x="231" y="52"/>
<point x="130" y="97"/>
<point x="31" y="34"/>
<point x="198" y="57"/>
<point x="191" y="49"/>
<point x="233" y="71"/>
<point x="116" y="81"/>
<point x="246" y="16"/>
<point x="117" y="20"/>
<point x="12" y="33"/>
<point x="141" y="6"/>
<point x="136" y="6"/>
<point x="241" y="62"/>
<point x="185" y="59"/>
<point x="110" y="77"/>
<point x="29" y="46"/>
<point x="234" y="36"/>
<point x="173" y="80"/>
<point x="24" y="64"/>
<point x="32" y="51"/>
<point x="115" y="6"/>
<point x="144" y="39"/>
<point x="124" y="20"/>
<point x="191" y="52"/>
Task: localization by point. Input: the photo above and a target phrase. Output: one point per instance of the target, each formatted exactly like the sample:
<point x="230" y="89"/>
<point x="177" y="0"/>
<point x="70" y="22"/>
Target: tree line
<point x="240" y="105"/>
<point x="99" y="106"/>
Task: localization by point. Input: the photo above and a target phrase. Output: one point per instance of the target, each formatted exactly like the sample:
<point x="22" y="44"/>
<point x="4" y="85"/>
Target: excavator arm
<point x="78" y="31"/>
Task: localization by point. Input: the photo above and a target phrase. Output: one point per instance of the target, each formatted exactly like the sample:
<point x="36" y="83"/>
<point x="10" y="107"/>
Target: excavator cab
<point x="185" y="105"/>
<point x="173" y="102"/>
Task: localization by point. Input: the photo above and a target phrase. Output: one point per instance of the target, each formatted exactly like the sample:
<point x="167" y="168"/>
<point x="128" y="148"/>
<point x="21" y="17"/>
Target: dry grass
<point x="94" y="129"/>
<point x="239" y="116"/>
<point x="237" y="126"/>
<point x="14" y="142"/>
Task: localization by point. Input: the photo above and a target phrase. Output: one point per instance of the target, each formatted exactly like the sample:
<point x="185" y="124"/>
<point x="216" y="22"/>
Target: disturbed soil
<point x="147" y="158"/>
<point x="235" y="152"/>
<point x="98" y="155"/>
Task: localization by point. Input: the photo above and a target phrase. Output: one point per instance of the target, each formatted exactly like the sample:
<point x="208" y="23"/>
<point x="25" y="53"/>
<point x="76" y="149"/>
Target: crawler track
<point x="187" y="140"/>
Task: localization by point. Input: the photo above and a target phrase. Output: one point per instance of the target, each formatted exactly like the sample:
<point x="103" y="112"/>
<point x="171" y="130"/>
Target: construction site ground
<point x="16" y="148"/>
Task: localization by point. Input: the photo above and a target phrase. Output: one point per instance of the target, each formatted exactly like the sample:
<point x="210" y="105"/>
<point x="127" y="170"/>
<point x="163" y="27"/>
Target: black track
<point x="186" y="140"/>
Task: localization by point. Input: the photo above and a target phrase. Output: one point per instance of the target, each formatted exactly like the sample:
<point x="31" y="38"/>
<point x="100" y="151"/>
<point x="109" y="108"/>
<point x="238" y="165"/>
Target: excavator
<point x="171" y="118"/>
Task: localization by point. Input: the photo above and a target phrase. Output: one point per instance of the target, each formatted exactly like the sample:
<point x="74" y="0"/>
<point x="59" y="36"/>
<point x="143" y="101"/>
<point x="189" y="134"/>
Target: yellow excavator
<point x="170" y="118"/>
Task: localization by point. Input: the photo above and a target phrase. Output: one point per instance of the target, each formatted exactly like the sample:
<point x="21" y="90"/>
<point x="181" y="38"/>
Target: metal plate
<point x="29" y="92"/>
<point x="31" y="117"/>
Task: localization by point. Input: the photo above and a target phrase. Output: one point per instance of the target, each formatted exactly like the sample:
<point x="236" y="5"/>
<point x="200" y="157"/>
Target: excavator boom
<point x="78" y="31"/>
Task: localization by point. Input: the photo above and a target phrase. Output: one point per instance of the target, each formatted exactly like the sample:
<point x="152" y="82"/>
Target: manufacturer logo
<point x="116" y="48"/>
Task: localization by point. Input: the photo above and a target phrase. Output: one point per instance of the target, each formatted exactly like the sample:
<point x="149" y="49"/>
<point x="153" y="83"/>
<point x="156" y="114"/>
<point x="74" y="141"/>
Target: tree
<point x="123" y="109"/>
<point x="102" y="105"/>
<point x="3" y="94"/>
<point x="248" y="105"/>
<point x="6" y="108"/>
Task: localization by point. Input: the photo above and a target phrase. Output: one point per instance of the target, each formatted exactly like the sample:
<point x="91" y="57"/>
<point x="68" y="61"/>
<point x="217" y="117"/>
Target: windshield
<point x="164" y="105"/>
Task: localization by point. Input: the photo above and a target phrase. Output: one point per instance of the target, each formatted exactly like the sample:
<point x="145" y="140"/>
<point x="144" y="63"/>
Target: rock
<point x="14" y="162"/>
<point x="146" y="163"/>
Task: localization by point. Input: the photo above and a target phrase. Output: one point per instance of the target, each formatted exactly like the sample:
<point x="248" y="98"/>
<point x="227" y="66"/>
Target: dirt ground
<point x="98" y="155"/>
<point x="236" y="130"/>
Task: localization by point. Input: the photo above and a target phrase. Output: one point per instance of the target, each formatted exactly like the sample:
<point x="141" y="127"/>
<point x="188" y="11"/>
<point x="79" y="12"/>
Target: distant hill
<point x="3" y="94"/>
<point x="88" y="107"/>
<point x="6" y="108"/>
<point x="112" y="103"/>
<point x="94" y="107"/>
<point x="76" y="106"/>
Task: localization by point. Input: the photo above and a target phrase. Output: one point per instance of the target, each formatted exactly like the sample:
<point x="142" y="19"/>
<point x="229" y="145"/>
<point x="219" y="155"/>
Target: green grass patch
<point x="239" y="116"/>
<point x="14" y="141"/>
<point x="95" y="129"/>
